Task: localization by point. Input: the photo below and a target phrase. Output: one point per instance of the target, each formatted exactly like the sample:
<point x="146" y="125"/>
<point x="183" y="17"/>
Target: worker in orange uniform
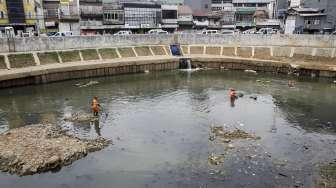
<point x="95" y="106"/>
<point x="233" y="96"/>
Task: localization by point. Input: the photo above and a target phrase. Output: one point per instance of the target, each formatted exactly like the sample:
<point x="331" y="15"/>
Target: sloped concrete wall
<point x="109" y="41"/>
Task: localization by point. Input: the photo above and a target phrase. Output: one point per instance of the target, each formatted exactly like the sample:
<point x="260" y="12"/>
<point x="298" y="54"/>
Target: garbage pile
<point x="39" y="148"/>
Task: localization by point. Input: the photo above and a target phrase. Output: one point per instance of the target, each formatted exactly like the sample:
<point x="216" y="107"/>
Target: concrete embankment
<point x="301" y="54"/>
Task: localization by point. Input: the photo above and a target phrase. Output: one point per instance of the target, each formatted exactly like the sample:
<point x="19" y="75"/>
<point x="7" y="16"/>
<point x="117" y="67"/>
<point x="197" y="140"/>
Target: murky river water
<point x="160" y="125"/>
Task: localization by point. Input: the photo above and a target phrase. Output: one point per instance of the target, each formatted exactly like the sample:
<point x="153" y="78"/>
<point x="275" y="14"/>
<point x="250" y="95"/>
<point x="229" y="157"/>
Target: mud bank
<point x="40" y="148"/>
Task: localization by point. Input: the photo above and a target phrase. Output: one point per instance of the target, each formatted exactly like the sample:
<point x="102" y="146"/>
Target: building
<point x="40" y="24"/>
<point x="169" y="17"/>
<point x="142" y="16"/>
<point x="50" y="13"/>
<point x="201" y="19"/>
<point x="3" y="13"/>
<point x="199" y="5"/>
<point x="310" y="16"/>
<point x="25" y="16"/>
<point x="185" y="18"/>
<point x="245" y="9"/>
<point x="170" y="2"/>
<point x="305" y="20"/>
<point x="69" y="16"/>
<point x="113" y="17"/>
<point x="91" y="13"/>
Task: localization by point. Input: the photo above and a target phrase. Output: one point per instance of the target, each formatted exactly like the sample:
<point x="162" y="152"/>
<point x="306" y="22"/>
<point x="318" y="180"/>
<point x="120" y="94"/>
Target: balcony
<point x="245" y="24"/>
<point x="91" y="23"/>
<point x="68" y="14"/>
<point x="169" y="21"/>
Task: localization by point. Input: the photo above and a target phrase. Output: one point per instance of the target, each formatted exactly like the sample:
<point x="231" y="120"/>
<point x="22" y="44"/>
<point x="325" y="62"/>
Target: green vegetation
<point x="21" y="60"/>
<point x="211" y="50"/>
<point x="328" y="175"/>
<point x="158" y="50"/>
<point x="184" y="49"/>
<point x="70" y="56"/>
<point x="48" y="58"/>
<point x="167" y="50"/>
<point x="126" y="52"/>
<point x="90" y="54"/>
<point x="108" y="53"/>
<point x="196" y="49"/>
<point x="143" y="51"/>
<point x="2" y="62"/>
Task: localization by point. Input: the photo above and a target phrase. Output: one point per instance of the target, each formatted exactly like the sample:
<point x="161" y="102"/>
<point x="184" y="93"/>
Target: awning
<point x="312" y="14"/>
<point x="170" y="26"/>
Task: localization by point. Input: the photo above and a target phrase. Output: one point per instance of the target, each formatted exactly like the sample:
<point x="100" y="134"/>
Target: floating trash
<point x="219" y="132"/>
<point x="251" y="71"/>
<point x="215" y="160"/>
<point x="80" y="85"/>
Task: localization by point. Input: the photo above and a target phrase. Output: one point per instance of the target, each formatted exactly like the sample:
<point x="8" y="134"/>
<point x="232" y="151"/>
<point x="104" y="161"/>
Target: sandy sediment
<point x="39" y="148"/>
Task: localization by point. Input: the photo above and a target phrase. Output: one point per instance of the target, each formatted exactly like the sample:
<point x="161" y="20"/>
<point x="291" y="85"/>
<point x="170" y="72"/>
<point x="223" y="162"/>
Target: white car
<point x="157" y="32"/>
<point x="63" y="34"/>
<point x="227" y="32"/>
<point x="210" y="32"/>
<point x="123" y="33"/>
<point x="250" y="31"/>
<point x="265" y="31"/>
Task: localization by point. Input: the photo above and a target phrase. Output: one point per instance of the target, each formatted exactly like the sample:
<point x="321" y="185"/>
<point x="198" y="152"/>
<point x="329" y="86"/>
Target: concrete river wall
<point x="36" y="60"/>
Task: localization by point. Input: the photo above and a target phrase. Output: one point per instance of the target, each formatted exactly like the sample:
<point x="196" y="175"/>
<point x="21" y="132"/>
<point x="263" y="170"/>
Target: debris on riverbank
<point x="39" y="148"/>
<point x="80" y="117"/>
<point x="327" y="176"/>
<point x="225" y="135"/>
<point x="90" y="83"/>
<point x="216" y="160"/>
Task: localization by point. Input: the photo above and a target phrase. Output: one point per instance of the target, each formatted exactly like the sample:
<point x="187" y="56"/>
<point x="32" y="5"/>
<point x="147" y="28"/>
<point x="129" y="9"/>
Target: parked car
<point x="123" y="33"/>
<point x="228" y="32"/>
<point x="63" y="34"/>
<point x="210" y="32"/>
<point x="266" y="31"/>
<point x="157" y="32"/>
<point x="250" y="31"/>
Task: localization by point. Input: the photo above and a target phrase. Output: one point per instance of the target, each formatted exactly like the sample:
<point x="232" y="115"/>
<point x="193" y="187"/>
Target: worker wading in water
<point x="95" y="106"/>
<point x="233" y="96"/>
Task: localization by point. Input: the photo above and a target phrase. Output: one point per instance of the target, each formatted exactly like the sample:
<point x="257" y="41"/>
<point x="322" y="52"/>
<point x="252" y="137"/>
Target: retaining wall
<point x="78" y="42"/>
<point x="318" y="58"/>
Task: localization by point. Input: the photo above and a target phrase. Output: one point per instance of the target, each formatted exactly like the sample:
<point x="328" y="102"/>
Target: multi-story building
<point x="50" y="13"/>
<point x="91" y="13"/>
<point x="169" y="17"/>
<point x="185" y="17"/>
<point x="199" y="5"/>
<point x="40" y="24"/>
<point x="225" y="10"/>
<point x="311" y="16"/>
<point x="201" y="19"/>
<point x="61" y="15"/>
<point x="142" y="16"/>
<point x="3" y="13"/>
<point x="245" y="9"/>
<point x="69" y="16"/>
<point x="22" y="15"/>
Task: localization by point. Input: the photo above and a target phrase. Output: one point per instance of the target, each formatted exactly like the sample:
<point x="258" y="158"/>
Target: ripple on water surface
<point x="160" y="125"/>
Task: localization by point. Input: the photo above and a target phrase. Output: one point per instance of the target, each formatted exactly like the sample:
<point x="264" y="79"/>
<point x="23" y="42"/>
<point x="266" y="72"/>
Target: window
<point x="316" y="22"/>
<point x="2" y="14"/>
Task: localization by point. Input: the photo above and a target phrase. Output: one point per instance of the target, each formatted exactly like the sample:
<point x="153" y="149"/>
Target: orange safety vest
<point x="95" y="105"/>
